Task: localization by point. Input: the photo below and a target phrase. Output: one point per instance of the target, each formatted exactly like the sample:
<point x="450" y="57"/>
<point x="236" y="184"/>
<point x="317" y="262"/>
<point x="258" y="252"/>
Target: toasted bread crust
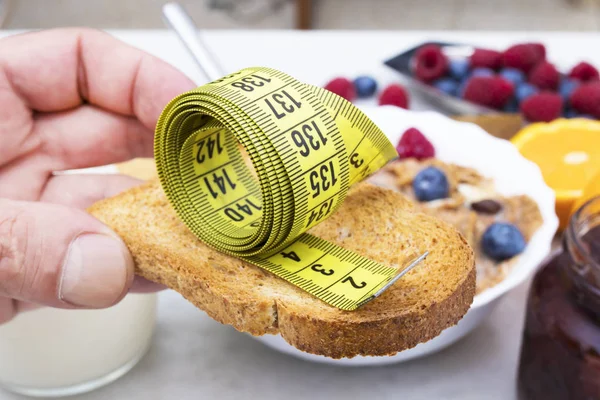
<point x="374" y="338"/>
<point x="372" y="221"/>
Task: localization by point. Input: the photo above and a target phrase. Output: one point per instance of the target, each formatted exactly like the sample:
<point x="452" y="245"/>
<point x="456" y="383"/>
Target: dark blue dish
<point x="402" y="63"/>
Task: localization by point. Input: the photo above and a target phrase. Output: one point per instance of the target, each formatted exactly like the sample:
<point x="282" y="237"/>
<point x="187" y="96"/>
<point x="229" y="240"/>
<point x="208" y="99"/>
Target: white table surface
<point x="193" y="357"/>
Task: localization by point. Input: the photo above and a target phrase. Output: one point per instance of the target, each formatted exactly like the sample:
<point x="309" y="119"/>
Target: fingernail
<point x="95" y="272"/>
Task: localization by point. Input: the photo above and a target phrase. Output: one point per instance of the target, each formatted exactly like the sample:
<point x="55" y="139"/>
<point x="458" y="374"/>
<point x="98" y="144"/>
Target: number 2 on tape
<point x="307" y="147"/>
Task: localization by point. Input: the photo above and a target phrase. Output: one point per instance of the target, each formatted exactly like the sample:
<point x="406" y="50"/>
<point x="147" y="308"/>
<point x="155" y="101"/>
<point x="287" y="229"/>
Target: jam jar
<point x="560" y="355"/>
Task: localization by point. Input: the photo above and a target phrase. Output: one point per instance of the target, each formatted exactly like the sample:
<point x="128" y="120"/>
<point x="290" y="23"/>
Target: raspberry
<point x="486" y="59"/>
<point x="584" y="72"/>
<point x="524" y="56"/>
<point x="586" y="98"/>
<point x="544" y="106"/>
<point x="490" y="91"/>
<point x="394" y="95"/>
<point x="539" y="48"/>
<point x="545" y="76"/>
<point x="342" y="87"/>
<point x="414" y="144"/>
<point x="430" y="63"/>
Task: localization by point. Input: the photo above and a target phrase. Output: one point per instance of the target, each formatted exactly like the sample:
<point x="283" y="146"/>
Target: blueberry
<point x="459" y="68"/>
<point x="586" y="116"/>
<point x="482" y="72"/>
<point x="513" y="75"/>
<point x="431" y="184"/>
<point x="566" y="88"/>
<point x="365" y="86"/>
<point x="512" y="106"/>
<point x="502" y="241"/>
<point x="447" y="85"/>
<point x="570" y="113"/>
<point x="524" y="90"/>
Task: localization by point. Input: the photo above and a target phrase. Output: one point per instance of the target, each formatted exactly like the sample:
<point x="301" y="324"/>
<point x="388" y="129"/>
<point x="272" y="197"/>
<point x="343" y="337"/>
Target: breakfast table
<point x="194" y="357"/>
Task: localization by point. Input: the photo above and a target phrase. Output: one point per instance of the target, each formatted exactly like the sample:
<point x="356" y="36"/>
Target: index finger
<point x="60" y="69"/>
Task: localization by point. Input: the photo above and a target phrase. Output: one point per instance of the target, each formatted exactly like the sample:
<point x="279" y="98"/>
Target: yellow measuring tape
<point x="307" y="146"/>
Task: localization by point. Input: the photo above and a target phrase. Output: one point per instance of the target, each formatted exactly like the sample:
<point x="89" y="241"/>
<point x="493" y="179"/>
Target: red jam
<point x="560" y="357"/>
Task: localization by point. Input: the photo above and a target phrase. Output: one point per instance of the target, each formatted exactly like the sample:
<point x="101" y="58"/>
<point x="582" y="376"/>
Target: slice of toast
<point x="373" y="221"/>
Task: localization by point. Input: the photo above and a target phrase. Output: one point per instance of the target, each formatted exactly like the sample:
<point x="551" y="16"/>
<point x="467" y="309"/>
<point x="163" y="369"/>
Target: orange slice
<point x="568" y="153"/>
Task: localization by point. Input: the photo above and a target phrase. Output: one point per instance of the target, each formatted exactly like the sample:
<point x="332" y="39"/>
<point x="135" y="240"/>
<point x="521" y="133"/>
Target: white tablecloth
<point x="193" y="357"/>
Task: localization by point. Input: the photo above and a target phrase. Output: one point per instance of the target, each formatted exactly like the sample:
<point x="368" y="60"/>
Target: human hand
<point x="69" y="99"/>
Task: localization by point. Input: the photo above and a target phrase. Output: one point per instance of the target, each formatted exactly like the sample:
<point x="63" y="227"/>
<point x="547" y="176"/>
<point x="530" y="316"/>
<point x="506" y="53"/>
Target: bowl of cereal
<point x="494" y="196"/>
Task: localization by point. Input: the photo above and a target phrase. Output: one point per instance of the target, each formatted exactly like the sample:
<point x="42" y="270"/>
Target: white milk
<point x="55" y="352"/>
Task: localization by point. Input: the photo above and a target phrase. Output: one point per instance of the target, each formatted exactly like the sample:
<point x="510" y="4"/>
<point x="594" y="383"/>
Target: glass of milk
<point x="52" y="353"/>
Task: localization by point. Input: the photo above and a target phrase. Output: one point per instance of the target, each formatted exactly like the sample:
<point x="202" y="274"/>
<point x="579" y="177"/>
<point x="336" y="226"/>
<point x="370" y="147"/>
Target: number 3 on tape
<point x="307" y="147"/>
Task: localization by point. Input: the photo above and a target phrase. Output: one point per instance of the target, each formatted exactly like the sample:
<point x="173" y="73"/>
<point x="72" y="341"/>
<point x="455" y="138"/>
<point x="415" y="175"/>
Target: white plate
<point x="468" y="145"/>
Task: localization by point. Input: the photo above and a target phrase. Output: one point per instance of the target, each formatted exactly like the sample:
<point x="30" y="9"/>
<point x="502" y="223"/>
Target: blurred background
<point x="522" y="15"/>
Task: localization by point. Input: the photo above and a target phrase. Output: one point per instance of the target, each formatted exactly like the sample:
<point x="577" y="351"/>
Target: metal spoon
<point x="178" y="19"/>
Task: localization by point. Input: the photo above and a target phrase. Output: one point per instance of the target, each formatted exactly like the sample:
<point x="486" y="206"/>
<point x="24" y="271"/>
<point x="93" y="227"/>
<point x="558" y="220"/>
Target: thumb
<point x="60" y="257"/>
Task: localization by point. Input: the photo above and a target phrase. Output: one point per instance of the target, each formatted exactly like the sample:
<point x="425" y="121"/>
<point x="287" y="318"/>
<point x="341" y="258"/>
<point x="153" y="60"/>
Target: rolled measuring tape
<point x="307" y="146"/>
